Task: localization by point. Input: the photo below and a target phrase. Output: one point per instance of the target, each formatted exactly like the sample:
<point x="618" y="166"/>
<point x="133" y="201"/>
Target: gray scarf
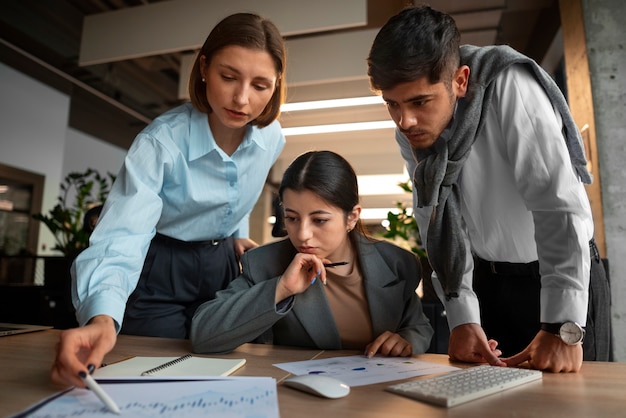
<point x="436" y="174"/>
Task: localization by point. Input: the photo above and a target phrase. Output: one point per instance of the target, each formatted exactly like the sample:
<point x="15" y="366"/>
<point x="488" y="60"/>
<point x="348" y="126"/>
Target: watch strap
<point x="551" y="328"/>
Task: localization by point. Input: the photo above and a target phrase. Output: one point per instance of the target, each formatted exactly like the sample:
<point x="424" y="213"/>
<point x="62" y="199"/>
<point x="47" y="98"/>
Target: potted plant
<point x="402" y="230"/>
<point x="79" y="193"/>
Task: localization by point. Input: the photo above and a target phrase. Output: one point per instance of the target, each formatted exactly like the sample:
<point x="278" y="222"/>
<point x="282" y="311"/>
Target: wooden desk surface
<point x="599" y="390"/>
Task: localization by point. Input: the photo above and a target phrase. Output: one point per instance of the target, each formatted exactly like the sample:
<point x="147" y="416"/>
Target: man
<point x="498" y="171"/>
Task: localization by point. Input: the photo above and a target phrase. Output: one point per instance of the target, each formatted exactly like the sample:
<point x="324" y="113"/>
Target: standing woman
<point x="288" y="295"/>
<point x="176" y="219"/>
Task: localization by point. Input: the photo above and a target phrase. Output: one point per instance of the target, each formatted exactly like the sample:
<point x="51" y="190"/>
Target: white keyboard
<point x="465" y="385"/>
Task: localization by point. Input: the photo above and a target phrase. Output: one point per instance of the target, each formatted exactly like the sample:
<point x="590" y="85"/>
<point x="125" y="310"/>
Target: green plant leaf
<point x="79" y="192"/>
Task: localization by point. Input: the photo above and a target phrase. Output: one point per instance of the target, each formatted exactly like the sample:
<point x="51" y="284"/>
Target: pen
<point x="339" y="263"/>
<point x="100" y="393"/>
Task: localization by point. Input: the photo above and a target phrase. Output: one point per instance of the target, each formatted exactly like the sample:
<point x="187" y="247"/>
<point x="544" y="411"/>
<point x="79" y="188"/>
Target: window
<point x="20" y="197"/>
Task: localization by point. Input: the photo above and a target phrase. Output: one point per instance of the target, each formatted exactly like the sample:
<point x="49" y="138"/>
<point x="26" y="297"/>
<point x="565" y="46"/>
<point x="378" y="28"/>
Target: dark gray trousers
<point x="177" y="277"/>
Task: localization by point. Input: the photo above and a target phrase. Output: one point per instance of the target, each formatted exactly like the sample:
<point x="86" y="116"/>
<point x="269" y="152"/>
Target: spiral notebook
<point x="187" y="365"/>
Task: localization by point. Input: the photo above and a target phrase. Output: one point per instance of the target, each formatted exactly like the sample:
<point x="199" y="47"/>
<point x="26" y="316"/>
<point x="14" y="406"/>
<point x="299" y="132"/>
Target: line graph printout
<point x="229" y="398"/>
<point x="360" y="370"/>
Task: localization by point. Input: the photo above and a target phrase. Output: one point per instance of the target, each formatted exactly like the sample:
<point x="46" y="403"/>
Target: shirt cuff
<point x="284" y="305"/>
<point x="460" y="310"/>
<point x="561" y="305"/>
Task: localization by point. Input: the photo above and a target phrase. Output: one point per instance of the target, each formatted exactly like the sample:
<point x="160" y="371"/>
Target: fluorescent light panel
<point x="338" y="127"/>
<point x="376" y="213"/>
<point x="333" y="103"/>
<point x="381" y="184"/>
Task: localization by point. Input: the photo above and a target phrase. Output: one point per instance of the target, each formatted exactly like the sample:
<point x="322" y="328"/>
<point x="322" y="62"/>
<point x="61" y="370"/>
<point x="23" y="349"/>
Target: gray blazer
<point x="246" y="311"/>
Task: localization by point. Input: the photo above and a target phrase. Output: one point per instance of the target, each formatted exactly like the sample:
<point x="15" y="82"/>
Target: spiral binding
<point x="166" y="365"/>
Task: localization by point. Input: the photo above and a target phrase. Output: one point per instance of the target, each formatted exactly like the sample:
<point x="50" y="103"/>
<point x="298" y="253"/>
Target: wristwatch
<point x="569" y="332"/>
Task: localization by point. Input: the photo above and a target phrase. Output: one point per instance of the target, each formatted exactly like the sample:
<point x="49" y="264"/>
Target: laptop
<point x="12" y="329"/>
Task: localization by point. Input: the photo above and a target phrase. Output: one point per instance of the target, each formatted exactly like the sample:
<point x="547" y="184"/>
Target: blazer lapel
<point x="312" y="310"/>
<point x="383" y="288"/>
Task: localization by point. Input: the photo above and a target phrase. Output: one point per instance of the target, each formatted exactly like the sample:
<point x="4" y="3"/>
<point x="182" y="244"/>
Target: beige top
<point x="348" y="303"/>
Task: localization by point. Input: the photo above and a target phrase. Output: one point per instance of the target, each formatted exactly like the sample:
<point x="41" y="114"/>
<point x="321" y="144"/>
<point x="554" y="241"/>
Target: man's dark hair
<point x="417" y="42"/>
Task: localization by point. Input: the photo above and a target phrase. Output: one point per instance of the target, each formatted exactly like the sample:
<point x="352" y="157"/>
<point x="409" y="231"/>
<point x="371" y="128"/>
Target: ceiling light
<point x="376" y="213"/>
<point x="328" y="104"/>
<point x="382" y="184"/>
<point x="338" y="127"/>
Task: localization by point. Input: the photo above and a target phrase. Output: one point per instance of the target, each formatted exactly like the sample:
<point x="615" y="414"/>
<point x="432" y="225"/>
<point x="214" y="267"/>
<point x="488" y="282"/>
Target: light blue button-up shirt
<point x="176" y="181"/>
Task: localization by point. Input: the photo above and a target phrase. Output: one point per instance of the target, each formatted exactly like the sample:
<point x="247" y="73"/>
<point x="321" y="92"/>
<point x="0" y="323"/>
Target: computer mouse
<point x="320" y="385"/>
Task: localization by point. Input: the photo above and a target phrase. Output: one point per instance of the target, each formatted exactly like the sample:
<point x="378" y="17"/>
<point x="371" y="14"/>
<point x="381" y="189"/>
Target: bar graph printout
<point x="228" y="398"/>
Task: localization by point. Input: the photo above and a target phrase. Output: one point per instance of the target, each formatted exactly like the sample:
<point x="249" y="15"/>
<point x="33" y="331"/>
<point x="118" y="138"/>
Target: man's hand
<point x="82" y="347"/>
<point x="548" y="352"/>
<point x="468" y="343"/>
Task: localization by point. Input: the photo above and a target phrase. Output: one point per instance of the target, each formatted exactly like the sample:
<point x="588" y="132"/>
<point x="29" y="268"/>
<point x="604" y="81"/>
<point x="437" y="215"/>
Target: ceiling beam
<point x="183" y="25"/>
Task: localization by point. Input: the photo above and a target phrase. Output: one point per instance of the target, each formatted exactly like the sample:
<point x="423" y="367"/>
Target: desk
<point x="599" y="390"/>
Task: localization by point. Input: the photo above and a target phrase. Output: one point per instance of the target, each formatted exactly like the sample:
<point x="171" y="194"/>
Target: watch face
<point x="571" y="333"/>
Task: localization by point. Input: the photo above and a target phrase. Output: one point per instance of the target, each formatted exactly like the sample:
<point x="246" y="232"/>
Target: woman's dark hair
<point x="91" y="218"/>
<point x="329" y="176"/>
<point x="417" y="42"/>
<point x="250" y="31"/>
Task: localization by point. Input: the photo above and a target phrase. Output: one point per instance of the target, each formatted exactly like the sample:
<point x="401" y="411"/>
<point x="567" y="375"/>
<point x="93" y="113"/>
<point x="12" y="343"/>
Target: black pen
<point x="339" y="263"/>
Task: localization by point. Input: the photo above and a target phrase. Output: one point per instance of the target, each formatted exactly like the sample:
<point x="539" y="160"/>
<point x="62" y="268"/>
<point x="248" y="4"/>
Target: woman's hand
<point x="243" y="244"/>
<point x="82" y="349"/>
<point x="301" y="273"/>
<point x="389" y="344"/>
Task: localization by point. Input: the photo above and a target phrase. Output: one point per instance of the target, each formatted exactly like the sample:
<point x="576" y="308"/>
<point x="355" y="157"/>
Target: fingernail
<point x="82" y="374"/>
<point x="91" y="368"/>
<point x="313" y="279"/>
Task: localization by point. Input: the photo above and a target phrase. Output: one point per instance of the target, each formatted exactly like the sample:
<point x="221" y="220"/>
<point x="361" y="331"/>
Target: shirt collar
<point x="199" y="128"/>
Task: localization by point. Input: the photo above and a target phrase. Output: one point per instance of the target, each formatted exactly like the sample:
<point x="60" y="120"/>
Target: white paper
<point x="359" y="370"/>
<point x="225" y="397"/>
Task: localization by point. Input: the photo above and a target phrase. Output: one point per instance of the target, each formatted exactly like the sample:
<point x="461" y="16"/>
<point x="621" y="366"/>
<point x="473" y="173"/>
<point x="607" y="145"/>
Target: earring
<point x="203" y="80"/>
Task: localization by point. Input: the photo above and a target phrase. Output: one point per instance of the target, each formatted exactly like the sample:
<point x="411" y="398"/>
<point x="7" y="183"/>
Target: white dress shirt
<point x="521" y="202"/>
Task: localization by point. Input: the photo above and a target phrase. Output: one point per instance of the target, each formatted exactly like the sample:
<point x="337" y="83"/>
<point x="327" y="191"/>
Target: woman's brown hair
<point x="250" y="31"/>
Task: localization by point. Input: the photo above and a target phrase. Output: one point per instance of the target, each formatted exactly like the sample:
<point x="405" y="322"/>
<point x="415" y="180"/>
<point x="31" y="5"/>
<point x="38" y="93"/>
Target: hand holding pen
<point x="302" y="272"/>
<point x="99" y="392"/>
<point x="329" y="265"/>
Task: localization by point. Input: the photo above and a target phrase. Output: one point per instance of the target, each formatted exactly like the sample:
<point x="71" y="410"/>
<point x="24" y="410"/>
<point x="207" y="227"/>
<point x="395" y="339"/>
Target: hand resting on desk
<point x="547" y="352"/>
<point x="468" y="343"/>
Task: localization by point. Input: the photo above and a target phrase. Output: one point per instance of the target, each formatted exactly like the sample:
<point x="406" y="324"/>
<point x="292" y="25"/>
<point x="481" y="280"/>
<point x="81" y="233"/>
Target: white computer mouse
<point x="320" y="385"/>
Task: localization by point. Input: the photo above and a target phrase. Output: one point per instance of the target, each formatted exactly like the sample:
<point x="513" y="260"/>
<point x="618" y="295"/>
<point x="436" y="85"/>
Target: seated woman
<point x="285" y="294"/>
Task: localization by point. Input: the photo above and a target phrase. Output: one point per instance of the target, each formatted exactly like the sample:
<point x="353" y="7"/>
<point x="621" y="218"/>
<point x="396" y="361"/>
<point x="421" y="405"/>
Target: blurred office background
<point x="80" y="78"/>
